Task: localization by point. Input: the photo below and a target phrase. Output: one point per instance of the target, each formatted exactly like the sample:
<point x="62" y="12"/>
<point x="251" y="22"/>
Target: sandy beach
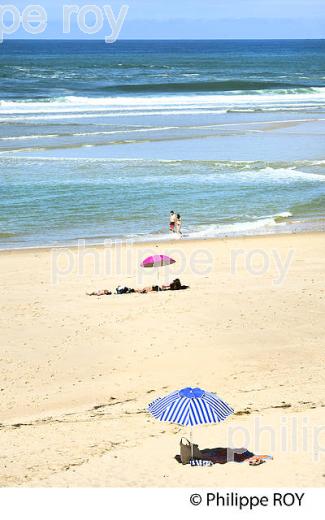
<point x="77" y="372"/>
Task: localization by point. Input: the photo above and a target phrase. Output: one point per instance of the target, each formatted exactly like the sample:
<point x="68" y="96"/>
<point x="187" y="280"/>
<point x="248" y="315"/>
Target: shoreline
<point x="155" y="243"/>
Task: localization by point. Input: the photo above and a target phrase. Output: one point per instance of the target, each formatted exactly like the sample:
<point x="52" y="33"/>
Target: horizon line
<point x="162" y="39"/>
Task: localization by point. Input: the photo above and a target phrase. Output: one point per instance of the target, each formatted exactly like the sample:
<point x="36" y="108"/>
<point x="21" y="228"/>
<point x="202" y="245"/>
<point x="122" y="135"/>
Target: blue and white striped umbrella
<point x="189" y="407"/>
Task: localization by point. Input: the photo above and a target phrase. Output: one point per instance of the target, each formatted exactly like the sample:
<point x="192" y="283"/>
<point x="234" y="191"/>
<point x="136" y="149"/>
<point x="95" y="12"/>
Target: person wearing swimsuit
<point x="172" y="221"/>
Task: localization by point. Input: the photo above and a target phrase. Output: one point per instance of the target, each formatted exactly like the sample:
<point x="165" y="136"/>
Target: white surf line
<point x="90" y="159"/>
<point x="111" y="108"/>
<point x="31" y="158"/>
<point x="306" y="120"/>
<point x="160" y="129"/>
<point x="165" y="128"/>
<point x="50" y="116"/>
<point x="175" y="111"/>
<point x="25" y="137"/>
<point x="111" y="132"/>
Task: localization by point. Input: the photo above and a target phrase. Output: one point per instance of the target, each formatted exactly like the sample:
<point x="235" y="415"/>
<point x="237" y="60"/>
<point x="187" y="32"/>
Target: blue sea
<point x="101" y="141"/>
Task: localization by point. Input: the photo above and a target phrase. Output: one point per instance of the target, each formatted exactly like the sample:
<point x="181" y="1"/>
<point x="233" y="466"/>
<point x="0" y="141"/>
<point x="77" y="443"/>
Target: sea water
<point x="101" y="141"/>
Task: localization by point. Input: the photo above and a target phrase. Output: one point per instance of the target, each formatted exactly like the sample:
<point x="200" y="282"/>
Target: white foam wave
<point x="252" y="227"/>
<point x="137" y="130"/>
<point x="284" y="214"/>
<point x="249" y="174"/>
<point x="82" y="116"/>
<point x="261" y="225"/>
<point x="27" y="137"/>
<point x="88" y="134"/>
<point x="288" y="175"/>
<point x="243" y="99"/>
<point x="235" y="228"/>
<point x="215" y="230"/>
<point x="318" y="163"/>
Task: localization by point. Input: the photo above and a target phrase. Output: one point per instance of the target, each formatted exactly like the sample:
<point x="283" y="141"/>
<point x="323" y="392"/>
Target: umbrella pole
<point x="191" y="441"/>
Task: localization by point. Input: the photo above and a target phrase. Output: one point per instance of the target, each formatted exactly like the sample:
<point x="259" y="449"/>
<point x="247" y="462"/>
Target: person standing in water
<point x="172" y="221"/>
<point x="179" y="224"/>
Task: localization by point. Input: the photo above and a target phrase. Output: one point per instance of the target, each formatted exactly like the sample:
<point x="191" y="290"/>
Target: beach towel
<point x="199" y="462"/>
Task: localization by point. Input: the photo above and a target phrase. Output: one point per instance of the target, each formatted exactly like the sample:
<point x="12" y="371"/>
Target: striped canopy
<point x="157" y="261"/>
<point x="189" y="407"/>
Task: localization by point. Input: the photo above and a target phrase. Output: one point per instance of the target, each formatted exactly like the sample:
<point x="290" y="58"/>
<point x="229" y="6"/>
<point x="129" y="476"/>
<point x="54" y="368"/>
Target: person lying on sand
<point x="104" y="292"/>
<point x="176" y="285"/>
<point x="124" y="290"/>
<point x="220" y="456"/>
<point x="145" y="290"/>
<point x="253" y="460"/>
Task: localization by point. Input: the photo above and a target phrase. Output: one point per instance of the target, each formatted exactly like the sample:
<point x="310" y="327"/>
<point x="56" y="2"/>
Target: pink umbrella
<point x="157" y="261"/>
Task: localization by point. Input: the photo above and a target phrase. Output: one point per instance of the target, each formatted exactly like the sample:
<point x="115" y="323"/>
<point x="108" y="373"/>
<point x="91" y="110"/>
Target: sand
<point x="77" y="372"/>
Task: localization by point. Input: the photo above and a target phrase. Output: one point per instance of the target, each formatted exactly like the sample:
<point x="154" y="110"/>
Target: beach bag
<point x="186" y="449"/>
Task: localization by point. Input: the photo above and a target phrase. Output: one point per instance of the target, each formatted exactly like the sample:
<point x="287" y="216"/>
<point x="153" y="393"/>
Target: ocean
<point x="101" y="141"/>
